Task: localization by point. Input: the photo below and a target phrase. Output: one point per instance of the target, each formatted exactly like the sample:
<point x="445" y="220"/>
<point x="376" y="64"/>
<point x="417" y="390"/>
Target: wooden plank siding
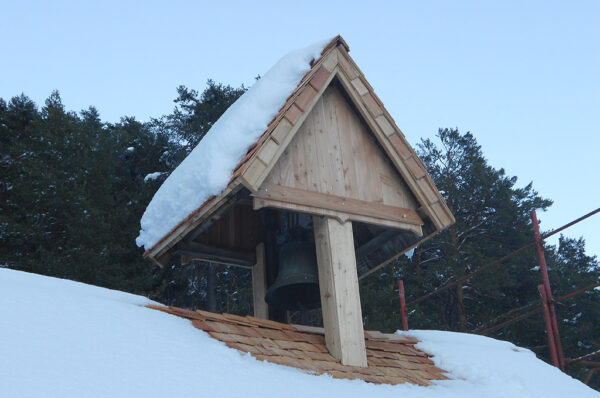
<point x="392" y="138"/>
<point x="235" y="230"/>
<point x="335" y="156"/>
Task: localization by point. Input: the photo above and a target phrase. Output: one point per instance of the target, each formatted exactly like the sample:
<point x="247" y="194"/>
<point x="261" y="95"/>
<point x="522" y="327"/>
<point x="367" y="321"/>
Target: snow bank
<point x="65" y="339"/>
<point x="485" y="367"/>
<point x="207" y="169"/>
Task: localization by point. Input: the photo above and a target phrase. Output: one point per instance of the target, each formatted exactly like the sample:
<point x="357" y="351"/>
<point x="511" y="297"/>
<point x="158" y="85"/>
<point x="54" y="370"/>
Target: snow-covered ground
<point x="60" y="338"/>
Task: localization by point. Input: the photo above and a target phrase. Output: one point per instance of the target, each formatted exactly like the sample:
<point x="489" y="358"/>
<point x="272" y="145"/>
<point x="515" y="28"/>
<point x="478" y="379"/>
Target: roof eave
<point x="172" y="238"/>
<point x="194" y="220"/>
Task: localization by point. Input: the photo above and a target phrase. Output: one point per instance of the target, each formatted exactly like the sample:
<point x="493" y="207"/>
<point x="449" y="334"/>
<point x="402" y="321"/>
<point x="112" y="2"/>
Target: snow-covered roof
<point x="67" y="339"/>
<point x="247" y="143"/>
<point x="208" y="168"/>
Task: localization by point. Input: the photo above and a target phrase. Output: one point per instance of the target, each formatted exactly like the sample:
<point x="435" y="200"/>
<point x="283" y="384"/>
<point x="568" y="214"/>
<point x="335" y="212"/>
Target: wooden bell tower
<point x="334" y="155"/>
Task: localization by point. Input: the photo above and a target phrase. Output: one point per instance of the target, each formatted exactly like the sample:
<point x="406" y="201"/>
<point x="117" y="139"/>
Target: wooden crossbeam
<point x="375" y="243"/>
<point x="338" y="203"/>
<point x="216" y="255"/>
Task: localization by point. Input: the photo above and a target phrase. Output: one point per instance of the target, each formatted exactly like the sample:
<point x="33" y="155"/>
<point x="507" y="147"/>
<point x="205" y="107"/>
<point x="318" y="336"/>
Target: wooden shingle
<point x="391" y="358"/>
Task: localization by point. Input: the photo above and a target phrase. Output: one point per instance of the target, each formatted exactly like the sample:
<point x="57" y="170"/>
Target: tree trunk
<point x="460" y="304"/>
<point x="417" y="261"/>
<point x="460" y="307"/>
<point x="451" y="312"/>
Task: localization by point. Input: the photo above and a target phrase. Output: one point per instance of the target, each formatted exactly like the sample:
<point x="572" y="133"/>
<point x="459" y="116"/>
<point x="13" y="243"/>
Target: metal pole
<point x="589" y="375"/>
<point x="402" y="305"/>
<point x="549" y="332"/>
<point x="540" y="253"/>
<point x="508" y="322"/>
<point x="496" y="262"/>
<point x="584" y="357"/>
<point x="548" y="291"/>
<point x="484" y="330"/>
<point x="472" y="274"/>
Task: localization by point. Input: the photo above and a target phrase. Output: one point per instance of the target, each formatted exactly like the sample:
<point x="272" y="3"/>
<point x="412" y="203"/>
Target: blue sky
<point x="523" y="77"/>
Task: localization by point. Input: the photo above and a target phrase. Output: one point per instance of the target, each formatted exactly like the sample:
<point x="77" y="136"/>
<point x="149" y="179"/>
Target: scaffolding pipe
<point x="547" y="290"/>
<point x="500" y="260"/>
<point x="484" y="330"/>
<point x="549" y="330"/>
<point x="584" y="357"/>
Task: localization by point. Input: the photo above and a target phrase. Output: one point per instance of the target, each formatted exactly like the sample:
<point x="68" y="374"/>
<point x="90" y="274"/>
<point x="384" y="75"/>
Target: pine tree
<point x="492" y="219"/>
<point x="18" y="146"/>
<point x="195" y="114"/>
<point x="73" y="193"/>
<point x="188" y="285"/>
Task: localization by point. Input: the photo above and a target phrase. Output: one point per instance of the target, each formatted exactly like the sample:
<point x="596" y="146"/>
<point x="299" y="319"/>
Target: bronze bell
<point x="297" y="283"/>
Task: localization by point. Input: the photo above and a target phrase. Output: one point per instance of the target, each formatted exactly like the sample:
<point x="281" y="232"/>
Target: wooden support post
<point x="340" y="299"/>
<point x="259" y="283"/>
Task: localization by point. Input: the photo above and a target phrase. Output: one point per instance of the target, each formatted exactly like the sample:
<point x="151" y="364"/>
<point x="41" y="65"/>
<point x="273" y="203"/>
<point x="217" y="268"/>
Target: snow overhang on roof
<point x="244" y="144"/>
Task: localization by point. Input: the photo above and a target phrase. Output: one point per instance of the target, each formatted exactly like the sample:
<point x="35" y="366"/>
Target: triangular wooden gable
<point x="334" y="115"/>
<point x="334" y="65"/>
<point x="333" y="165"/>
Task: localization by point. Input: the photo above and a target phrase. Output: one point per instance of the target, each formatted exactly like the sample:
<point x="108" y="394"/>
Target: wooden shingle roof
<point x="392" y="359"/>
<point x="254" y="167"/>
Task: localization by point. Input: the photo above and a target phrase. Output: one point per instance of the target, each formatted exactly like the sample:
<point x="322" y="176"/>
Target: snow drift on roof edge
<point x="208" y="168"/>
